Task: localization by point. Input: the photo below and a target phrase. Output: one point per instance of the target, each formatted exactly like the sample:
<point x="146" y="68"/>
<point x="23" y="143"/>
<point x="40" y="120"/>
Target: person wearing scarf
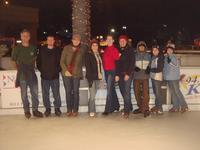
<point x="94" y="73"/>
<point x="71" y="64"/>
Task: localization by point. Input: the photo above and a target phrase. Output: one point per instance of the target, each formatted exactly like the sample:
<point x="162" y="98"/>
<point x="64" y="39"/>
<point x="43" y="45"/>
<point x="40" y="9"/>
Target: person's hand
<point x="116" y="78"/>
<point x="126" y="77"/>
<point x="147" y="71"/>
<point x="68" y="74"/>
<point x="137" y="69"/>
<point x="90" y="83"/>
<point x="168" y="60"/>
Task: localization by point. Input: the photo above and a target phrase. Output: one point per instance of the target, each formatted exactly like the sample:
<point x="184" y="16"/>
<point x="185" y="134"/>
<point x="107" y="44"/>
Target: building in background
<point x="15" y="18"/>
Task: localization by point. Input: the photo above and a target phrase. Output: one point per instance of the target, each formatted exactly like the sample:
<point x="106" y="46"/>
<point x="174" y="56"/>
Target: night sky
<point x="143" y="18"/>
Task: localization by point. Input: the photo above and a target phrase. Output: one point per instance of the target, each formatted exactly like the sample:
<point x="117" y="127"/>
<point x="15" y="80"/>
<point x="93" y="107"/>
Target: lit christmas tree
<point x="81" y="19"/>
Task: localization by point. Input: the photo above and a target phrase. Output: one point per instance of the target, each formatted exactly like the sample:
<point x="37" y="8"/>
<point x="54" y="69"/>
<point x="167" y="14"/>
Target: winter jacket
<point x="91" y="66"/>
<point x="67" y="57"/>
<point x="48" y="63"/>
<point x="157" y="65"/>
<point x="126" y="63"/>
<point x="171" y="68"/>
<point x="110" y="56"/>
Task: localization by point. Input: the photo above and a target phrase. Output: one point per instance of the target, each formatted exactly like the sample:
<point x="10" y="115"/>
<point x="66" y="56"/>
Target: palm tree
<point x="81" y="19"/>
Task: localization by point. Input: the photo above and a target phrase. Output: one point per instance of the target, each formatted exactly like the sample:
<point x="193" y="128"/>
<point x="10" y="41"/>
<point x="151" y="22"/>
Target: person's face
<point x="169" y="51"/>
<point x="109" y="40"/>
<point x="122" y="43"/>
<point x="50" y="41"/>
<point x="155" y="51"/>
<point x="76" y="41"/>
<point x="95" y="47"/>
<point x="141" y="48"/>
<point x="25" y="37"/>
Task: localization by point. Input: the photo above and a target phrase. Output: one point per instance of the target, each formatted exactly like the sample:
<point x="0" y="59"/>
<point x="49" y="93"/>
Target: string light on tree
<point x="81" y="19"/>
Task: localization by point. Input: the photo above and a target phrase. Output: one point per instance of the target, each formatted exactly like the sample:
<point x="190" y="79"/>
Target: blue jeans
<point x="72" y="85"/>
<point x="125" y="89"/>
<point x="112" y="102"/>
<point x="33" y="85"/>
<point x="156" y="85"/>
<point x="178" y="99"/>
<point x="93" y="91"/>
<point x="55" y="87"/>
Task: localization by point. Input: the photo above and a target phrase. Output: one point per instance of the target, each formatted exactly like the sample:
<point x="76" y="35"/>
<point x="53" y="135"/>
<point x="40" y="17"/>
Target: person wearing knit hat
<point x="123" y="37"/>
<point x="71" y="64"/>
<point x="156" y="75"/>
<point x="94" y="74"/>
<point x="124" y="73"/>
<point x="171" y="74"/>
<point x="141" y="79"/>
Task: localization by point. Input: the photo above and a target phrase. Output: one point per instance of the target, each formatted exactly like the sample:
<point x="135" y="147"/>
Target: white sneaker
<point x="92" y="114"/>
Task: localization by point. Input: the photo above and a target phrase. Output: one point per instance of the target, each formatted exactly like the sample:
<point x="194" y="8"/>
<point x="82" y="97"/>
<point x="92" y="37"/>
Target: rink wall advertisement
<point x="11" y="98"/>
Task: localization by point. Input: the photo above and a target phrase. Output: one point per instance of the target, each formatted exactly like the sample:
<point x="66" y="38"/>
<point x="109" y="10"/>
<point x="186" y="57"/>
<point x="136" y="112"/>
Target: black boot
<point x="27" y="114"/>
<point x="58" y="112"/>
<point x="146" y="113"/>
<point x="37" y="114"/>
<point x="137" y="111"/>
<point x="105" y="113"/>
<point x="47" y="113"/>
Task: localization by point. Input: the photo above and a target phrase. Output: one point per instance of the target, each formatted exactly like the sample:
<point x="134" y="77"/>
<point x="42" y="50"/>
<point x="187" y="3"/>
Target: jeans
<point x="72" y="85"/>
<point x="141" y="90"/>
<point x="93" y="91"/>
<point x="33" y="85"/>
<point x="112" y="102"/>
<point x="55" y="87"/>
<point x="178" y="99"/>
<point x="156" y="85"/>
<point x="125" y="89"/>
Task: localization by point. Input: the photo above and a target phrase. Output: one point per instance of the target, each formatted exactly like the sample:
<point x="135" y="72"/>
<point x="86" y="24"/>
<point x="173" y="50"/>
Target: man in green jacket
<point x="24" y="56"/>
<point x="71" y="63"/>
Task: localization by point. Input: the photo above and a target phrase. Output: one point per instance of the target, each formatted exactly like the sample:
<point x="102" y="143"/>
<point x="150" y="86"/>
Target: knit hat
<point x="94" y="41"/>
<point x="123" y="37"/>
<point x="171" y="46"/>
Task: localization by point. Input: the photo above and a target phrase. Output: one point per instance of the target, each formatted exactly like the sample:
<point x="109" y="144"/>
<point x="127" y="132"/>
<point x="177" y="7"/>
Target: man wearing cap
<point x="124" y="73"/>
<point x="71" y="63"/>
<point x="141" y="79"/>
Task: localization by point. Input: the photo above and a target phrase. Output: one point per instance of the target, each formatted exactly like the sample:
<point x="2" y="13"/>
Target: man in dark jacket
<point x="48" y="63"/>
<point x="124" y="73"/>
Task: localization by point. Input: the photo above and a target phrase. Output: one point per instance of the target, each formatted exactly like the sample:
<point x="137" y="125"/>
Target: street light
<point x="112" y="30"/>
<point x="124" y="27"/>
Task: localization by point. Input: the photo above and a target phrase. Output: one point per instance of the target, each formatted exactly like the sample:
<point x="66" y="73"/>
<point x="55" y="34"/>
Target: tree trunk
<point x="81" y="19"/>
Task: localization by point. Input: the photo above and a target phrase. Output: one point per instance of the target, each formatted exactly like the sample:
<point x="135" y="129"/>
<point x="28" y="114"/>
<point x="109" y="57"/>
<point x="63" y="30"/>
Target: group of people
<point x="120" y="64"/>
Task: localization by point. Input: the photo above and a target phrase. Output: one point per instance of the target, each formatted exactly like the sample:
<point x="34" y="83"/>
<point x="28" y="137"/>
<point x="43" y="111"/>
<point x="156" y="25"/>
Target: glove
<point x="137" y="69"/>
<point x="147" y="71"/>
<point x="90" y="83"/>
<point x="168" y="60"/>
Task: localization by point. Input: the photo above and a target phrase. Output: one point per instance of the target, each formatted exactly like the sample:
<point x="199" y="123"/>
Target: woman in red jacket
<point x="110" y="56"/>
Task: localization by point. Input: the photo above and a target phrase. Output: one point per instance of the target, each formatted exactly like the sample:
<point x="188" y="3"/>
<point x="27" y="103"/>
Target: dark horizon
<point x="143" y="18"/>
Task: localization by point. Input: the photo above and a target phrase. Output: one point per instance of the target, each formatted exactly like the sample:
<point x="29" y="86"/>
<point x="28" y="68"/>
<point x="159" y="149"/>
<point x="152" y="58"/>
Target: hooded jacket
<point x="142" y="62"/>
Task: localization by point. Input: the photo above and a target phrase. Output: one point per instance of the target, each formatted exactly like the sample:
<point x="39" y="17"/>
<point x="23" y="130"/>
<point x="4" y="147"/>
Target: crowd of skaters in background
<point x="123" y="64"/>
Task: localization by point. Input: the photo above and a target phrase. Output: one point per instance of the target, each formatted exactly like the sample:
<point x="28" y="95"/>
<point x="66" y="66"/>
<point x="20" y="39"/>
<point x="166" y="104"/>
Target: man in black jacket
<point x="124" y="73"/>
<point x="48" y="63"/>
